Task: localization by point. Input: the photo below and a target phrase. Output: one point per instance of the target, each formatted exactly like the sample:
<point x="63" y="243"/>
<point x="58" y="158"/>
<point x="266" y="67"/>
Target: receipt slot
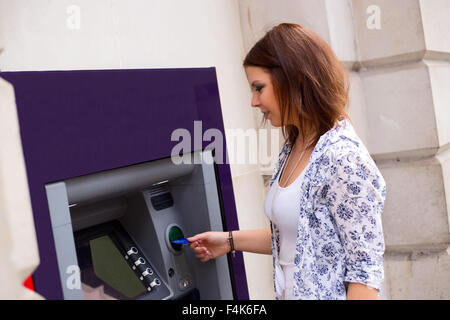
<point x="117" y="228"/>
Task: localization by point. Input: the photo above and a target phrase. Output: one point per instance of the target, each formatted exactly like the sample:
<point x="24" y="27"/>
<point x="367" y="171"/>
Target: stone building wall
<point x="398" y="56"/>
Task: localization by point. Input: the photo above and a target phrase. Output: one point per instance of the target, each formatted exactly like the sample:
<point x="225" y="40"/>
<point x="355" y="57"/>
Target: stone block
<point x="17" y="234"/>
<point x="259" y="16"/>
<point x="436" y="23"/>
<point x="342" y="31"/>
<point x="419" y="276"/>
<point x="400" y="109"/>
<point x="439" y="73"/>
<point x="357" y="107"/>
<point x="399" y="36"/>
<point x="415" y="212"/>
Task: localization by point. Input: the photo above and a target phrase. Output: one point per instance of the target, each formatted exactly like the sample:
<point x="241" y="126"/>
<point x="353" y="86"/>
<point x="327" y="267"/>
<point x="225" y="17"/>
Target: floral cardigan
<point x="340" y="236"/>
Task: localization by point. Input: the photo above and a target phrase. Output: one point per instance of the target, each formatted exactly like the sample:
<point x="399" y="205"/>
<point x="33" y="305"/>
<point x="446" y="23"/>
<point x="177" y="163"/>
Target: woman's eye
<point x="259" y="88"/>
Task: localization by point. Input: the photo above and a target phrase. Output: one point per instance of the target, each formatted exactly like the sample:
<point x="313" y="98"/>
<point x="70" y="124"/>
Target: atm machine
<point x="107" y="197"/>
<point x="123" y="223"/>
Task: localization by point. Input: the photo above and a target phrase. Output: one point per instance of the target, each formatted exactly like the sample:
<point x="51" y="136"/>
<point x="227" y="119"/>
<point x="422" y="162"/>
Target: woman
<point x="326" y="195"/>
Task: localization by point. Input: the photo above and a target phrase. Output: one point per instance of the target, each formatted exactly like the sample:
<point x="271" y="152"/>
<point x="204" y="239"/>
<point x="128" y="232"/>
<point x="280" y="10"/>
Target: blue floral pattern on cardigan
<point x="340" y="236"/>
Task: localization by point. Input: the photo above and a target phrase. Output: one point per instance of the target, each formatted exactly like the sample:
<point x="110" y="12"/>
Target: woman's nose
<point x="255" y="101"/>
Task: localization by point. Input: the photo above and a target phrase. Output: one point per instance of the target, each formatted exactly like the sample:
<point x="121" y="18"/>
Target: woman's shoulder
<point x="337" y="143"/>
<point x="342" y="147"/>
<point x="343" y="139"/>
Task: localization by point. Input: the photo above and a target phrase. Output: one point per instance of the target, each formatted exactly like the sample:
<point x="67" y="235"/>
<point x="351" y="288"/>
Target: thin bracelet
<point x="231" y="243"/>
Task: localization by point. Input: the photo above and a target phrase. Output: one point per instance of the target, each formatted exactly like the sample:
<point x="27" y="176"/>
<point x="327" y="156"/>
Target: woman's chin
<point x="275" y="124"/>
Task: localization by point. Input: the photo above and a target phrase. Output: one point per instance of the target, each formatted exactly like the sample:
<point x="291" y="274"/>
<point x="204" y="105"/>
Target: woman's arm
<point x="356" y="199"/>
<point x="256" y="241"/>
<point x="213" y="244"/>
<point x="359" y="291"/>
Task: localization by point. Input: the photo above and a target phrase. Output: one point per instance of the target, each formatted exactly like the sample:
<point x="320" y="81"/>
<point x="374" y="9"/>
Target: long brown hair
<point x="310" y="84"/>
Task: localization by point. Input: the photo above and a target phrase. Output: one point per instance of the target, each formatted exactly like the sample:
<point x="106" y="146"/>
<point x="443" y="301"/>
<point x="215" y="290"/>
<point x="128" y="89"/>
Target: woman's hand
<point x="213" y="244"/>
<point x="209" y="245"/>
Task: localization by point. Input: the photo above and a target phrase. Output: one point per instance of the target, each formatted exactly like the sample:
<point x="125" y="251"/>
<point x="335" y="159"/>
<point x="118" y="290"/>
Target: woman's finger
<point x="199" y="250"/>
<point x="199" y="255"/>
<point x="197" y="237"/>
<point x="193" y="245"/>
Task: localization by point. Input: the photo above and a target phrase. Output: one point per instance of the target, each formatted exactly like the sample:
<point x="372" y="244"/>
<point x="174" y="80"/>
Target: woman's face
<point x="263" y="96"/>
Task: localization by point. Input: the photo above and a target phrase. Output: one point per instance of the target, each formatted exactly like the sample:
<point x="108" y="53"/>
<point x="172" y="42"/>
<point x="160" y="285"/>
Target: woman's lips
<point x="266" y="114"/>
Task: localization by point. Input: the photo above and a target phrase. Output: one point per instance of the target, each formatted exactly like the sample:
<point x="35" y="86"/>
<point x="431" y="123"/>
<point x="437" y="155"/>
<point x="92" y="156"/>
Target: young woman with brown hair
<point x="326" y="194"/>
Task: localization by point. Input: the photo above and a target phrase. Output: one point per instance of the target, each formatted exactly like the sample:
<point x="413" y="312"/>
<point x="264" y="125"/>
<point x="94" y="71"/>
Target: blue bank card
<point x="181" y="241"/>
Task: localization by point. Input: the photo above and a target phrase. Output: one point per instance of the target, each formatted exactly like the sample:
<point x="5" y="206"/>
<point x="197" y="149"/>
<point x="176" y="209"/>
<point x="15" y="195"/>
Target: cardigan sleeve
<point x="359" y="192"/>
<point x="281" y="156"/>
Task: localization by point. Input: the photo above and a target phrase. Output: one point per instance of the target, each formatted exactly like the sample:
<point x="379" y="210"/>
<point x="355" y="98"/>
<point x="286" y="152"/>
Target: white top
<point x="285" y="215"/>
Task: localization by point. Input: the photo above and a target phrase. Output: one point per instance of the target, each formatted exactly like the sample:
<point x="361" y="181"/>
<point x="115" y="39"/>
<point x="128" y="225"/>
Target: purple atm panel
<point x="76" y="123"/>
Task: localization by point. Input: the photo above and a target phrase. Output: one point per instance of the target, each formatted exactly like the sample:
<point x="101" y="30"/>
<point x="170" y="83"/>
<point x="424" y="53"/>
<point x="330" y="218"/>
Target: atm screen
<point x="105" y="272"/>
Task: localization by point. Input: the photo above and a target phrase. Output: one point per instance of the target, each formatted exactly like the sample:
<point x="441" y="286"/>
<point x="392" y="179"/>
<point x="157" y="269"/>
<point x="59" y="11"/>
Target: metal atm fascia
<point x="125" y="195"/>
